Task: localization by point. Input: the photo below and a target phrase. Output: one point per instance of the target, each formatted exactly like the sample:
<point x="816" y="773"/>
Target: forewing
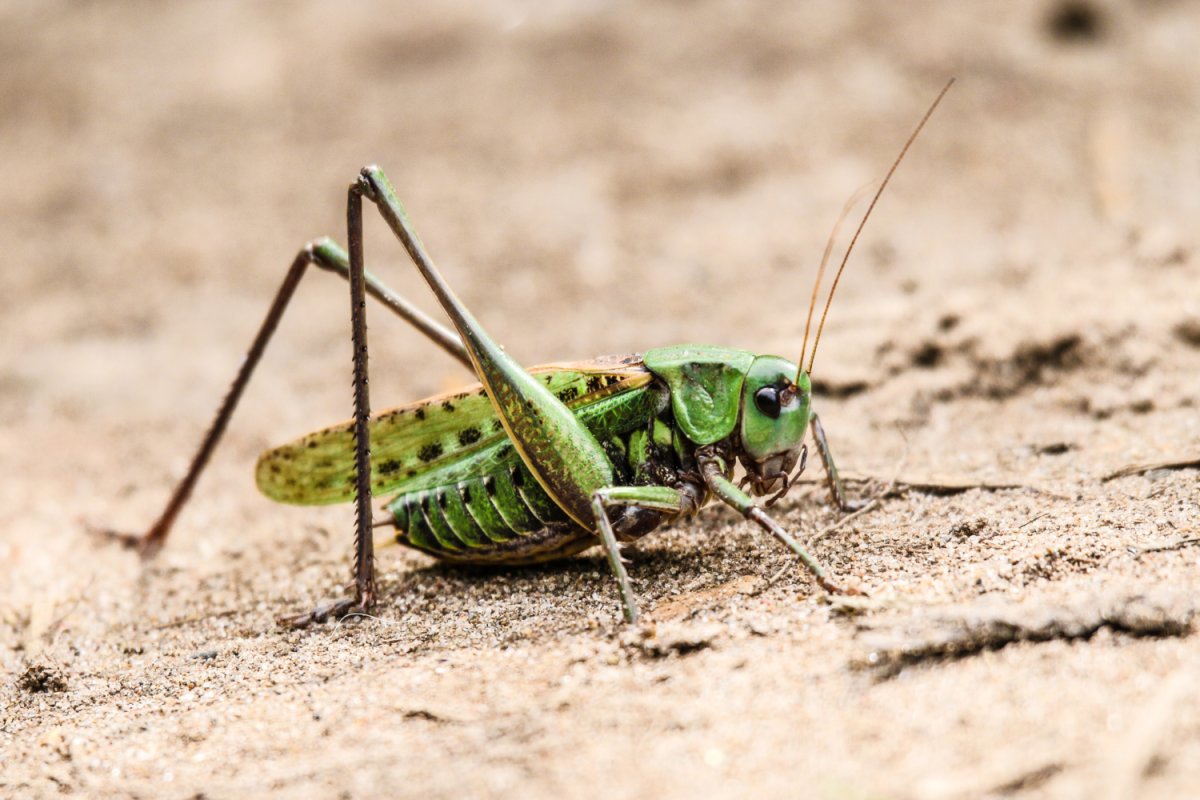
<point x="410" y="441"/>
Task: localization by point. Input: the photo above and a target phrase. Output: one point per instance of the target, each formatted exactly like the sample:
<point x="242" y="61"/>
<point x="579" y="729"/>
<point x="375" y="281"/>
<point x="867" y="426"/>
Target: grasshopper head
<point x="776" y="399"/>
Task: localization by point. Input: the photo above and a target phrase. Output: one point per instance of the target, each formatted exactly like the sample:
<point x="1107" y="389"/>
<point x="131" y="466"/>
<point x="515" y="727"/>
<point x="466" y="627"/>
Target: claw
<point x="337" y="609"/>
<point x="834" y="588"/>
<point x="787" y="484"/>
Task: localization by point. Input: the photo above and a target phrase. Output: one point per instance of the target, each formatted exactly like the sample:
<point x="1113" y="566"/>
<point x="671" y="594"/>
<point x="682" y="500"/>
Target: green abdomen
<point x="497" y="512"/>
<point x="503" y="516"/>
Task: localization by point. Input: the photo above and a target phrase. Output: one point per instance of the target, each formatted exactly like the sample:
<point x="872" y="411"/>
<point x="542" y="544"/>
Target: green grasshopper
<point x="538" y="464"/>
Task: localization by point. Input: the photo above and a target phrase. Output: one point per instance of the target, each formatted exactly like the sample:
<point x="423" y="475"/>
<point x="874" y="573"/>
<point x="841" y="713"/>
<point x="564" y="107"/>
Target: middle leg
<point x="713" y="472"/>
<point x="653" y="498"/>
<point x="837" y="490"/>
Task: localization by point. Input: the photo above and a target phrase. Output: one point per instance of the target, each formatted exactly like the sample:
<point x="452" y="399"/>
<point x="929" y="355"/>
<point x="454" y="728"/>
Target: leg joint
<point x="326" y="254"/>
<point x="367" y="183"/>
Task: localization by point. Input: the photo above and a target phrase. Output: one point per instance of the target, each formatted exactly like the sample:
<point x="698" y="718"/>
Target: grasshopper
<point x="531" y="465"/>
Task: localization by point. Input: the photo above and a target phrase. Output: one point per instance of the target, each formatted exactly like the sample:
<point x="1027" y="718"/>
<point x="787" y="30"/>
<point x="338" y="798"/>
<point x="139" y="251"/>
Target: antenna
<point x="887" y="178"/>
<point x="812" y="304"/>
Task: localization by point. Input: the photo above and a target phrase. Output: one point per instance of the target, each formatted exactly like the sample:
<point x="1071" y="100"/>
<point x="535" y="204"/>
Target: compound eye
<point x="766" y="400"/>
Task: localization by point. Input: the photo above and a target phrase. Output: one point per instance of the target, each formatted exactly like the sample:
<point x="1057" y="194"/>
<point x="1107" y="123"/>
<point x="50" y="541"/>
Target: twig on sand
<point x="1163" y="548"/>
<point x="1142" y="469"/>
<point x="899" y="488"/>
<point x="871" y="505"/>
<point x="942" y="488"/>
<point x="887" y="490"/>
<point x="1029" y="779"/>
<point x="1032" y="520"/>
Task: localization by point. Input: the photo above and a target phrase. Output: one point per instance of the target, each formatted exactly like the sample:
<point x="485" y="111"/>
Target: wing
<point x="427" y="437"/>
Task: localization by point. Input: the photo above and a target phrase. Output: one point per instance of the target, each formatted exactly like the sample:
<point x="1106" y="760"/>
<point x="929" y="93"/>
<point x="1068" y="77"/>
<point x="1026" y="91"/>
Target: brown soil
<point x="606" y="177"/>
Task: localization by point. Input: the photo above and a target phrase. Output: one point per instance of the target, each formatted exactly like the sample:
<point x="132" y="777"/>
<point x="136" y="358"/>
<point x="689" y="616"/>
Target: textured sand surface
<point x="605" y="177"/>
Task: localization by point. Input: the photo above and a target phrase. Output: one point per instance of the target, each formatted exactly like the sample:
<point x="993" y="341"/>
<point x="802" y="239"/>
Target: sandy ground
<point x="605" y="177"/>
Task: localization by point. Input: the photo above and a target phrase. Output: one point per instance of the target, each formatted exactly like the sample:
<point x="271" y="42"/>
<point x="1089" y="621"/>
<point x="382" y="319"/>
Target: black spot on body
<point x="469" y="436"/>
<point x="497" y="425"/>
<point x="442" y="500"/>
<point x="447" y="406"/>
<point x="489" y="486"/>
<point x="389" y="466"/>
<point x="568" y="394"/>
<point x="465" y="494"/>
<point x="429" y="452"/>
<point x="420" y="413"/>
<point x="518" y="477"/>
<point x="594" y="384"/>
<point x="312" y="443"/>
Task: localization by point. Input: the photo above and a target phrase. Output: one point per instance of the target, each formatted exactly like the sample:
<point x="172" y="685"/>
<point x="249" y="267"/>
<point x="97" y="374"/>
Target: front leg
<point x="836" y="490"/>
<point x="712" y="468"/>
<point x="654" y="498"/>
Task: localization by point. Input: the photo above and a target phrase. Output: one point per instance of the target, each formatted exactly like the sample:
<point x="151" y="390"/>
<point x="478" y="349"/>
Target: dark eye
<point x="767" y="401"/>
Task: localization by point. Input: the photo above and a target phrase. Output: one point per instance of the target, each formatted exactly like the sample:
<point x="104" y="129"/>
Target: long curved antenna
<point x="912" y="137"/>
<point x="812" y="304"/>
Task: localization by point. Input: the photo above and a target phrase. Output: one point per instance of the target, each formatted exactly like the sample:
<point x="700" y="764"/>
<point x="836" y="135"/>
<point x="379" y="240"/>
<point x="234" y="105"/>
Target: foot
<point x="147" y="544"/>
<point x="336" y="610"/>
<point x="834" y="588"/>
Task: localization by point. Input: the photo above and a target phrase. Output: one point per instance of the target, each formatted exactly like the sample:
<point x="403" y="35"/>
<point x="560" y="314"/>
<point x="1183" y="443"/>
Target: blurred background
<point x="652" y="174"/>
<point x="594" y="177"/>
